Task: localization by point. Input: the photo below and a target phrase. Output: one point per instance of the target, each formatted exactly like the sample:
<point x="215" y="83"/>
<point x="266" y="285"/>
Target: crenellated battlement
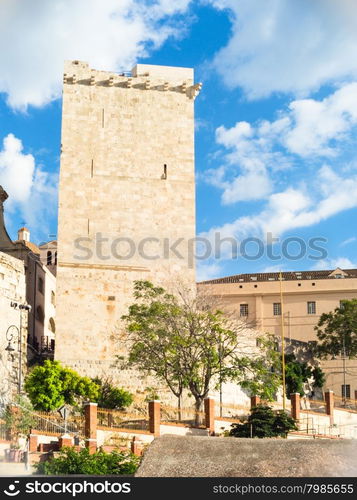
<point x="142" y="76"/>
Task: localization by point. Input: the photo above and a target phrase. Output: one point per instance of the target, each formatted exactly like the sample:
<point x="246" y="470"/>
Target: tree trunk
<point x="198" y="408"/>
<point x="179" y="408"/>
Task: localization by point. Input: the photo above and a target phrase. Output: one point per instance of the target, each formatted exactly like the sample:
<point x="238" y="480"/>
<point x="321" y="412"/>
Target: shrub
<point x="112" y="397"/>
<point x="264" y="422"/>
<point x="82" y="462"/>
<point x="20" y="421"/>
<point x="50" y="386"/>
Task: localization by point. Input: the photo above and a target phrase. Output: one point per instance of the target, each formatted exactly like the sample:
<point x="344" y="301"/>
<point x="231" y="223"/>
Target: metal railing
<point x="185" y="416"/>
<point x="345" y="403"/>
<point x="115" y="419"/>
<point x="231" y="412"/>
<point x="52" y="424"/>
<point x="3" y="430"/>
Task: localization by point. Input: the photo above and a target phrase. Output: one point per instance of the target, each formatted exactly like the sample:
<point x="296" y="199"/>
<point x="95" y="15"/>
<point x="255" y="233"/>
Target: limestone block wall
<point x="127" y="194"/>
<point x="12" y="288"/>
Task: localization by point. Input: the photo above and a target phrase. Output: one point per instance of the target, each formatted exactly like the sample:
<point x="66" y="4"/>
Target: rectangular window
<point x="346" y="391"/>
<point x="277" y="309"/>
<point x="244" y="309"/>
<point x="311" y="308"/>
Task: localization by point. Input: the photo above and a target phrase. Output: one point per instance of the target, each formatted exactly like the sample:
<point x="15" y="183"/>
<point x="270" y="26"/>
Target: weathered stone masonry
<point x="127" y="171"/>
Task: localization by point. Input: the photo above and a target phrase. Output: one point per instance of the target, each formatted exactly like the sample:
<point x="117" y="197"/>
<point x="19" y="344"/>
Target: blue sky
<point x="276" y="119"/>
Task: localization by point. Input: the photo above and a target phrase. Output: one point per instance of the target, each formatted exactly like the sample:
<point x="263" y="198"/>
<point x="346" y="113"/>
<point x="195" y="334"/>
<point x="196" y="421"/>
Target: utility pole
<point x="282" y="338"/>
<point x="344" y="369"/>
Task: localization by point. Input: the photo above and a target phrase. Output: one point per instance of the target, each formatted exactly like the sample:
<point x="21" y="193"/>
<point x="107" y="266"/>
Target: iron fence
<point x="185" y="416"/>
<point x="114" y="419"/>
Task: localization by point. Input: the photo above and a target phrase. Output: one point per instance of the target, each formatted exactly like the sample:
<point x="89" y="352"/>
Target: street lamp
<point x="10" y="336"/>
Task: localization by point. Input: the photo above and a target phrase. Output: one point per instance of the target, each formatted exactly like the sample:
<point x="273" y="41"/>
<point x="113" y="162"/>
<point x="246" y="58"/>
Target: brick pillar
<point x="33" y="442"/>
<point x="209" y="414"/>
<point x="329" y="400"/>
<point x="90" y="426"/>
<point x="254" y="401"/>
<point x="65" y="441"/>
<point x="154" y="417"/>
<point x="136" y="447"/>
<point x="295" y="405"/>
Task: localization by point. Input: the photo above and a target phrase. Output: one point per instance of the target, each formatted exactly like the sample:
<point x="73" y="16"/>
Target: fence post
<point x="154" y="417"/>
<point x="209" y="415"/>
<point x="65" y="441"/>
<point x="33" y="442"/>
<point x="136" y="447"/>
<point x="254" y="401"/>
<point x="90" y="426"/>
<point x="295" y="405"/>
<point x="329" y="404"/>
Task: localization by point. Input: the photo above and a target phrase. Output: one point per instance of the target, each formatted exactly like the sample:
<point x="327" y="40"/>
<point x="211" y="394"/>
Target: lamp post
<point x="10" y="336"/>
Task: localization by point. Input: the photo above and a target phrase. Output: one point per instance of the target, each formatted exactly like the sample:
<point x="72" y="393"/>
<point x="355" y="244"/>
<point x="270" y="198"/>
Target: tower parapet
<point x="142" y="76"/>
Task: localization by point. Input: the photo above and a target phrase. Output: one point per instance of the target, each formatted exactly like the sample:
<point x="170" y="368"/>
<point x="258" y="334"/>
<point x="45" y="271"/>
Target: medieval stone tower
<point x="126" y="198"/>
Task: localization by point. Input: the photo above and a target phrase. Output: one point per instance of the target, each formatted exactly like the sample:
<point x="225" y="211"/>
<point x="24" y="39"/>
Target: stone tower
<point x="126" y="200"/>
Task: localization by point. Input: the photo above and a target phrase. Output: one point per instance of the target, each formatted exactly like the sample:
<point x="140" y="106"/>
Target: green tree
<point x="112" y="397"/>
<point x="263" y="422"/>
<point x="337" y="331"/>
<point x="188" y="344"/>
<point x="298" y="373"/>
<point x="50" y="386"/>
<point x="100" y="463"/>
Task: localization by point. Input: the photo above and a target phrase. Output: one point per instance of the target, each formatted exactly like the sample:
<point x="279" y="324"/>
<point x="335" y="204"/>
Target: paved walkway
<point x="14" y="469"/>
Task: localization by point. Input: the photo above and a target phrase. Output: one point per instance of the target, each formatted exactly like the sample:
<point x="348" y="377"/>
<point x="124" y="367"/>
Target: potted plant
<point x="15" y="454"/>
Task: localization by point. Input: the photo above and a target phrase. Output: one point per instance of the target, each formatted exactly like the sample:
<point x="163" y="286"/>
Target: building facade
<point x="126" y="197"/>
<point x="40" y="287"/>
<point x="12" y="290"/>
<point x="256" y="298"/>
<point x="48" y="255"/>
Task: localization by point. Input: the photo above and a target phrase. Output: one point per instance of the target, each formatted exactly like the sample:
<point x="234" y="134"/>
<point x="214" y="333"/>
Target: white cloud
<point x="295" y="208"/>
<point x="257" y="158"/>
<point x="348" y="241"/>
<point x="32" y="191"/>
<point x="288" y="45"/>
<point x="341" y="262"/>
<point x="16" y="169"/>
<point x="37" y="36"/>
<point x="207" y="271"/>
<point x="316" y="123"/>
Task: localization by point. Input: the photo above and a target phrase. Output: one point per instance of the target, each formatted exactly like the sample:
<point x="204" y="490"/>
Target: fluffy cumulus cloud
<point x="37" y="36"/>
<point x="310" y="142"/>
<point x="29" y="187"/>
<point x="16" y="169"/>
<point x="295" y="208"/>
<point x="306" y="135"/>
<point x="288" y="45"/>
